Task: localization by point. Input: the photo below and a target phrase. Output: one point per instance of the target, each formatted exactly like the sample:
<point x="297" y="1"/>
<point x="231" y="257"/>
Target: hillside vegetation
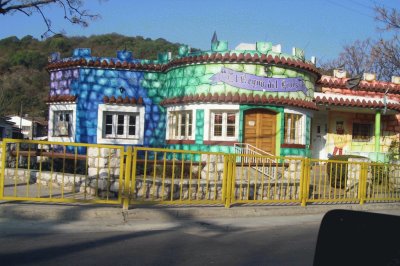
<point x="24" y="80"/>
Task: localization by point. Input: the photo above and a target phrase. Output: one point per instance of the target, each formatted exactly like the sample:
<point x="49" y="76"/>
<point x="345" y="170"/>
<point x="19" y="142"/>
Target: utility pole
<point x="20" y="119"/>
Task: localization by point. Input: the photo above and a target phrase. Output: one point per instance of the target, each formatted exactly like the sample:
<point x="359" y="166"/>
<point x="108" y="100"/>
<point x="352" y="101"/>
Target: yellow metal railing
<point x="263" y="179"/>
<point x="177" y="177"/>
<point x="61" y="172"/>
<point x="73" y="172"/>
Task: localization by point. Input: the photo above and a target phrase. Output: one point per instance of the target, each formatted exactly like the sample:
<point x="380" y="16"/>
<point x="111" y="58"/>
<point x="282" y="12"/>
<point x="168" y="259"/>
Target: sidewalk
<point x="65" y="212"/>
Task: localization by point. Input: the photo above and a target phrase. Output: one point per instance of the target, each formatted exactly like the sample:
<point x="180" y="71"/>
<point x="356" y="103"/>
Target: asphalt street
<point x="34" y="234"/>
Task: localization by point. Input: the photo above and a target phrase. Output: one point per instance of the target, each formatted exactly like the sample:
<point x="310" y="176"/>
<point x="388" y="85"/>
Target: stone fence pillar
<point x="394" y="174"/>
<point x="354" y="172"/>
<point x="103" y="169"/>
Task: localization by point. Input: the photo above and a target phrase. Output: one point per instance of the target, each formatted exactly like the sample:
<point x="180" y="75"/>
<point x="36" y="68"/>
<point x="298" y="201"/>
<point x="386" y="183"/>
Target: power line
<point x="349" y="9"/>
<point x="362" y="4"/>
<point x="381" y="4"/>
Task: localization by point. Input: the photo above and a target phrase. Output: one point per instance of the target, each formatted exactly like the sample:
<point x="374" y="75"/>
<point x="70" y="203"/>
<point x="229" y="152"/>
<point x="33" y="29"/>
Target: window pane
<point x="218" y="119"/>
<point x="190" y="118"/>
<point x="120" y="119"/>
<point x="67" y="117"/>
<point x="120" y="129"/>
<point x="190" y="130"/>
<point x="182" y="124"/>
<point x="132" y="125"/>
<point x="230" y="131"/>
<point x="108" y="129"/>
<point x="132" y="120"/>
<point x="231" y="117"/>
<point x="109" y="119"/>
<point x="120" y="124"/>
<point x="176" y="125"/>
<point x="109" y="124"/>
<point x="132" y="130"/>
<point x="183" y="130"/>
<point x="218" y="130"/>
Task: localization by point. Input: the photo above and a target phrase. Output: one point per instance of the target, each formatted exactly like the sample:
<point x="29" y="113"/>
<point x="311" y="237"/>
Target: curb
<point x="65" y="212"/>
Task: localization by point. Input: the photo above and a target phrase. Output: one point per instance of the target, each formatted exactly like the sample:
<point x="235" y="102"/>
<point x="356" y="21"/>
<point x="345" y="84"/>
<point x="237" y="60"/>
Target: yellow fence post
<point x="228" y="180"/>
<point x="362" y="185"/>
<point x="305" y="176"/>
<point x="133" y="172"/>
<point x="127" y="177"/>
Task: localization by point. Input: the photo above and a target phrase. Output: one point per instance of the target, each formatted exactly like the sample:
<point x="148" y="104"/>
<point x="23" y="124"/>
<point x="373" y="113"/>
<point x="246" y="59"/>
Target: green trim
<point x="295" y="152"/>
<point x="308" y="132"/>
<point x="279" y="135"/>
<point x="199" y="131"/>
<point x="377" y="130"/>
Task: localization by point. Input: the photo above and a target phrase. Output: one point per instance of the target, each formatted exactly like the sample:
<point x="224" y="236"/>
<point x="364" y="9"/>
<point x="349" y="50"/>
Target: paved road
<point x="268" y="240"/>
<point x="174" y="243"/>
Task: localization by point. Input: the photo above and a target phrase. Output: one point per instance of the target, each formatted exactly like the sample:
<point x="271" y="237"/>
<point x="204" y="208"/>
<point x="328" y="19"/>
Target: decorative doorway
<point x="319" y="135"/>
<point x="260" y="129"/>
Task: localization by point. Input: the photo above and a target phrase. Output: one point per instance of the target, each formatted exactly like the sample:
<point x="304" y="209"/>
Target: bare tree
<point x="73" y="11"/>
<point x="386" y="55"/>
<point x="381" y="57"/>
<point x="389" y="17"/>
<point x="355" y="59"/>
<point x="387" y="52"/>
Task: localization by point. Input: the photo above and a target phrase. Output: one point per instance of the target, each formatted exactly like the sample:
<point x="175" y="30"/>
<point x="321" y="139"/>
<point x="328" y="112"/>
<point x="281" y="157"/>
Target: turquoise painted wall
<point x="199" y="127"/>
<point x="195" y="79"/>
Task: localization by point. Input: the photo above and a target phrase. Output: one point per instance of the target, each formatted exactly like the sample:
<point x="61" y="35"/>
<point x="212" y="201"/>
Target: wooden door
<point x="260" y="129"/>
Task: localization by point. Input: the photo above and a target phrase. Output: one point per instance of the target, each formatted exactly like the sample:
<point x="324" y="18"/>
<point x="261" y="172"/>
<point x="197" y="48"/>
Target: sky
<point x="320" y="27"/>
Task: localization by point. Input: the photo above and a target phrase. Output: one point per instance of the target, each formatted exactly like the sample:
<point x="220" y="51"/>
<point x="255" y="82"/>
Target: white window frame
<point x="224" y="133"/>
<point x="303" y="124"/>
<point x="60" y="107"/>
<point x="115" y="124"/>
<point x="175" y="125"/>
<point x="209" y="110"/>
<point x="170" y="132"/>
<point x="115" y="110"/>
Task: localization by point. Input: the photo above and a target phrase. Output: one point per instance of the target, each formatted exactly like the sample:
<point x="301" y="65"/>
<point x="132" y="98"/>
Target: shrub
<point x="337" y="171"/>
<point x="379" y="173"/>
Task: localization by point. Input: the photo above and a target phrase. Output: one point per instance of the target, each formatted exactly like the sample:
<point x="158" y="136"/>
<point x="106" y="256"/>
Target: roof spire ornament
<point x="214" y="38"/>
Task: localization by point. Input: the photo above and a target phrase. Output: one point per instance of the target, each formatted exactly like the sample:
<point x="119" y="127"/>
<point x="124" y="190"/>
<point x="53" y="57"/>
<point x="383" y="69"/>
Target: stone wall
<point x="394" y="175"/>
<point x="10" y="160"/>
<point x="200" y="189"/>
<point x="69" y="182"/>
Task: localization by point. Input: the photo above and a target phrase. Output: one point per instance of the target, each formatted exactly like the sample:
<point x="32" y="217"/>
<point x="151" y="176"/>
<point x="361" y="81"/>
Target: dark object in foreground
<point x="358" y="238"/>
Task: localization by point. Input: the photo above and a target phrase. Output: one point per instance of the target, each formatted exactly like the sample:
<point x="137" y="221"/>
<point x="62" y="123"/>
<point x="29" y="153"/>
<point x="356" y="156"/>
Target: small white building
<point x="7" y="128"/>
<point x="31" y="128"/>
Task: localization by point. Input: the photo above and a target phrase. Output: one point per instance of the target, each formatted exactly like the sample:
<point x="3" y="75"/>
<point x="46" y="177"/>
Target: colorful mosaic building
<point x="253" y="97"/>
